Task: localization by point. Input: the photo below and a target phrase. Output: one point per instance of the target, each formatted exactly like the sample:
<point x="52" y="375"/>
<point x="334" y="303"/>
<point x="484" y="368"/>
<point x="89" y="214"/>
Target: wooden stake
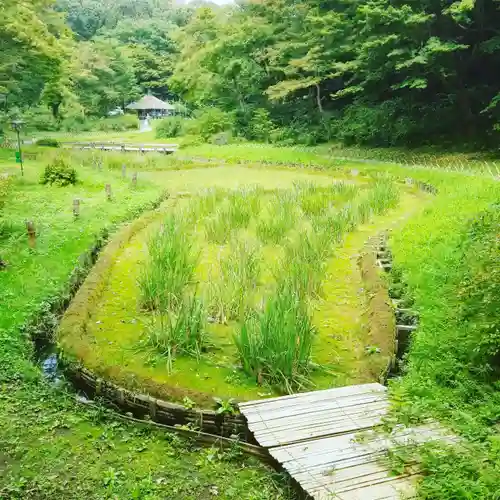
<point x="108" y="192"/>
<point x="76" y="207"/>
<point x="30" y="227"/>
<point x="134" y="180"/>
<point x="124" y="171"/>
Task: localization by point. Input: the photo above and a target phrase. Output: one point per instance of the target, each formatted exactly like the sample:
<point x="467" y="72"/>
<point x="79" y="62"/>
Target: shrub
<point x="385" y="124"/>
<point x="221" y="139"/>
<point x="275" y="345"/>
<point x="117" y="123"/>
<point x="48" y="142"/>
<point x="41" y="119"/>
<point x="59" y="173"/>
<point x="210" y="121"/>
<point x="261" y="126"/>
<point x="171" y="126"/>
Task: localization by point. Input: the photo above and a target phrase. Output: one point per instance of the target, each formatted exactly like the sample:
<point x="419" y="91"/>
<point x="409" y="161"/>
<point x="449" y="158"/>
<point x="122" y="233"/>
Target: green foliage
<point x="210" y="121"/>
<point x="5" y="188"/>
<point x="59" y="172"/>
<point x="280" y="217"/>
<point x="261" y="126"/>
<point x="169" y="268"/>
<point x="48" y="142"/>
<point x="171" y="126"/>
<point x="240" y="270"/>
<point x="177" y="333"/>
<point x="275" y="345"/>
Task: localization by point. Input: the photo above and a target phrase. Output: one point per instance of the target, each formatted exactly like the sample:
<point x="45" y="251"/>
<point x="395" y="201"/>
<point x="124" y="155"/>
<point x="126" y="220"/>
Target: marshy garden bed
<point x="235" y="293"/>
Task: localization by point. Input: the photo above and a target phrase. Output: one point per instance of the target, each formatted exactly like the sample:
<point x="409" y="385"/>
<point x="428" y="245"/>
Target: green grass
<point x="275" y="345"/>
<point x="446" y="267"/>
<point x="448" y="257"/>
<point x="240" y="271"/>
<point x="50" y="446"/>
<point x="170" y="266"/>
<point x="182" y="332"/>
<point x="235" y="277"/>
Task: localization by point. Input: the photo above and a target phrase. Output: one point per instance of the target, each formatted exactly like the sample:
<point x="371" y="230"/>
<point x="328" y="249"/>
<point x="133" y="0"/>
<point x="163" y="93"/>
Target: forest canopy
<point x="378" y="72"/>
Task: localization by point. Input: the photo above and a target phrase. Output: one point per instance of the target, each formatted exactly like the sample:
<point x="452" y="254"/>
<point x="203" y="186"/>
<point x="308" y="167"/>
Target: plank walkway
<point x="328" y="442"/>
<point x="123" y="147"/>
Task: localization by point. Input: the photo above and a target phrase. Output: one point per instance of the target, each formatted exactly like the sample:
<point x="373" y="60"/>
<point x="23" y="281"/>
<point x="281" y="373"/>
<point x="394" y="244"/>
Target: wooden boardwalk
<point x="124" y="147"/>
<point x="328" y="443"/>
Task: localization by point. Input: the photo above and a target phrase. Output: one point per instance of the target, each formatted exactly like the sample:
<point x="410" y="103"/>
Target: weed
<point x="275" y="345"/>
<point x="169" y="268"/>
<point x="180" y="333"/>
<point x="281" y="217"/>
<point x="225" y="406"/>
<point x="304" y="264"/>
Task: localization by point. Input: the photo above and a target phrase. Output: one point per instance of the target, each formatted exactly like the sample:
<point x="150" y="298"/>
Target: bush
<point x="170" y="127"/>
<point x="118" y="123"/>
<point x="211" y="121"/>
<point x="221" y="139"/>
<point x="48" y="142"/>
<point x="261" y="125"/>
<point x="385" y="124"/>
<point x="41" y="119"/>
<point x="59" y="173"/>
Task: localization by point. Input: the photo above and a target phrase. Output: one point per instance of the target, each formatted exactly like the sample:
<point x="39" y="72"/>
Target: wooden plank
<point x="306" y="396"/>
<point x="277" y="411"/>
<point x="389" y="490"/>
<point x="283" y="436"/>
<point x="327" y="410"/>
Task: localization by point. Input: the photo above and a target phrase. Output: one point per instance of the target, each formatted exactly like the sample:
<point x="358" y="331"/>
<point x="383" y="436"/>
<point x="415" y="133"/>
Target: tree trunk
<point x="318" y="98"/>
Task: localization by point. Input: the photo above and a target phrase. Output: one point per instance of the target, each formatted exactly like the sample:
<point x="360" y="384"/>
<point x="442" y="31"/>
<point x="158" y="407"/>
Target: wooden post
<point x="76" y="207"/>
<point x="124" y="171"/>
<point x="30" y="227"/>
<point x="108" y="192"/>
<point x="134" y="180"/>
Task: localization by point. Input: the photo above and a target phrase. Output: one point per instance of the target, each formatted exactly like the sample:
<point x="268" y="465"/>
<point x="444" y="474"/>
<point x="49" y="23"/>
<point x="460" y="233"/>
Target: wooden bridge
<point x="123" y="147"/>
<point x="331" y="443"/>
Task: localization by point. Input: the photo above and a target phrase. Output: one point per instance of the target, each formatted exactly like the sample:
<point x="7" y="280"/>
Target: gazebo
<point x="151" y="107"/>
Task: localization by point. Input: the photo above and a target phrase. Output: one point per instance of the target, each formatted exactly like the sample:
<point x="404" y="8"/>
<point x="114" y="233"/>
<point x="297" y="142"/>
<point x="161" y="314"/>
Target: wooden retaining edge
<point x="145" y="407"/>
<point x="402" y="331"/>
<point x="200" y="437"/>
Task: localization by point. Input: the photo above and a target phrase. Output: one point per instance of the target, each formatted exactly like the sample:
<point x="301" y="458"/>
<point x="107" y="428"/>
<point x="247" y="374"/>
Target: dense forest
<point x="378" y="72"/>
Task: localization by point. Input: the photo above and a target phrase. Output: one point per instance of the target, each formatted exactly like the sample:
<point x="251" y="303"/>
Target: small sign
<point x="18" y="157"/>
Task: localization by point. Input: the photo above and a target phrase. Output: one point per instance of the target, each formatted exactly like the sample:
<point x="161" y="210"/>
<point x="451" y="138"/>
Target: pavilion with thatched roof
<point x="150" y="106"/>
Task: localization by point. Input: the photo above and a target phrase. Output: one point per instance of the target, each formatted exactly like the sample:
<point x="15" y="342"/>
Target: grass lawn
<point x="50" y="445"/>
